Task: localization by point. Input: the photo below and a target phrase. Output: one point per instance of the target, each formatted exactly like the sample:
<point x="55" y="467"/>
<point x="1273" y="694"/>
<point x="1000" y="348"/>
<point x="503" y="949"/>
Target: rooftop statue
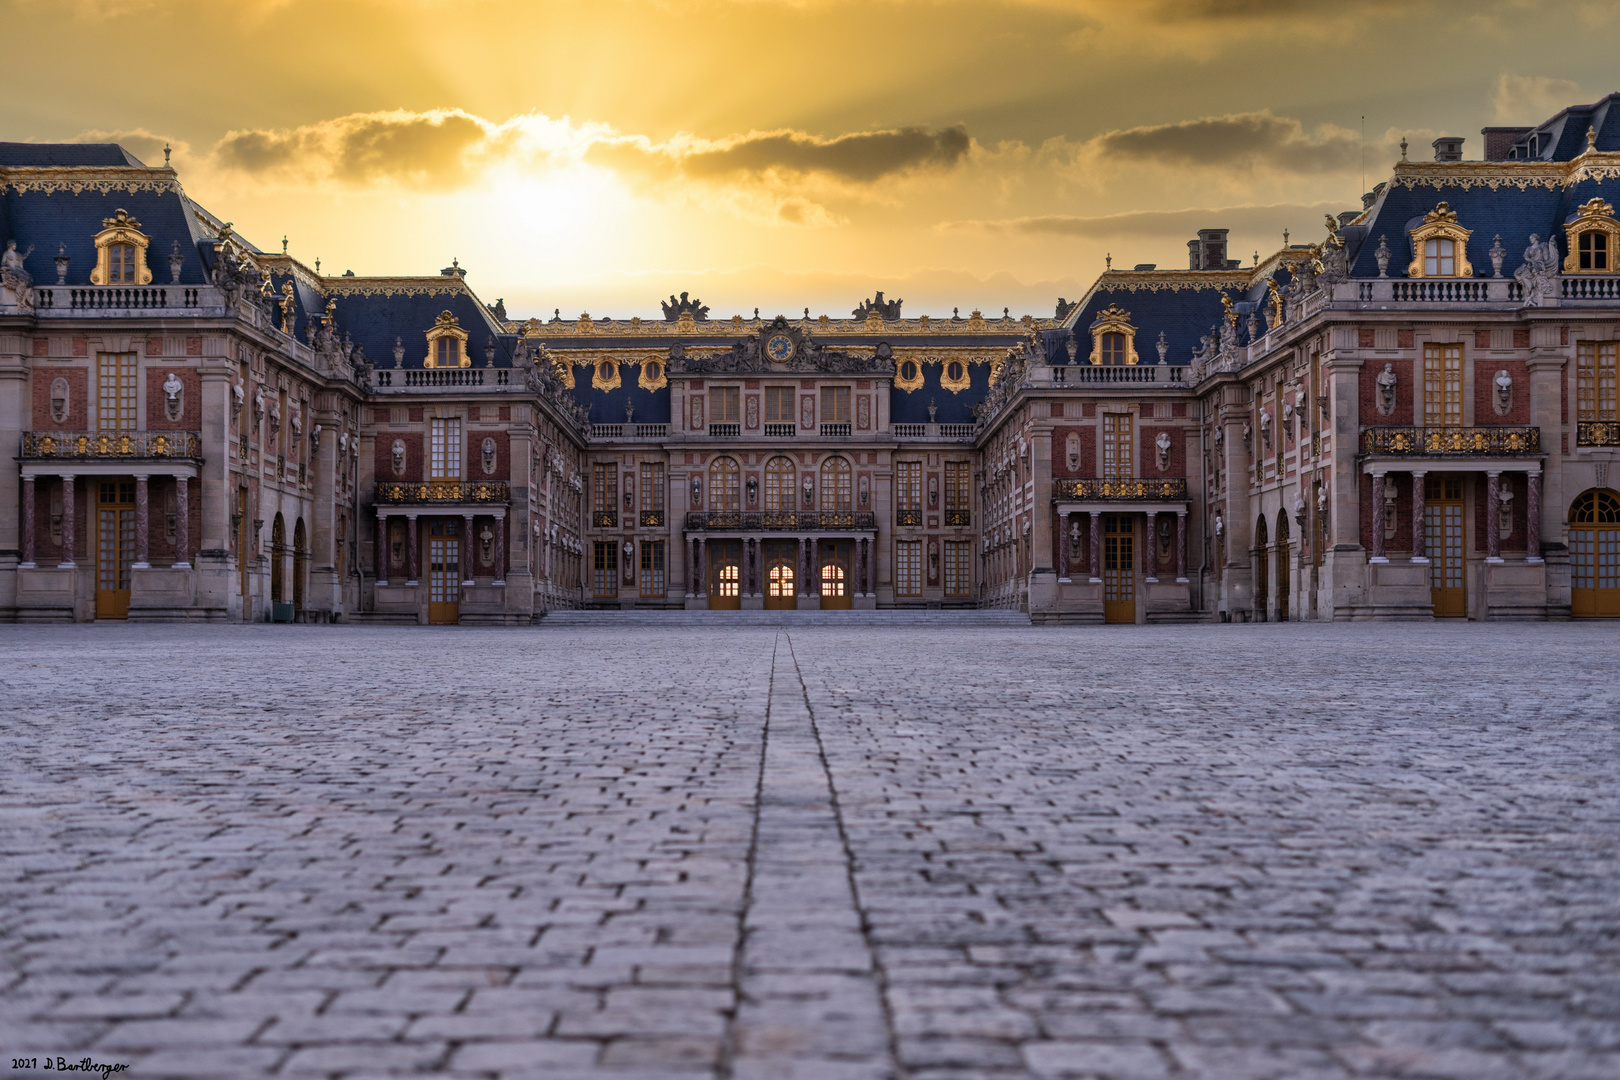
<point x="888" y="309"/>
<point x="676" y="308"/>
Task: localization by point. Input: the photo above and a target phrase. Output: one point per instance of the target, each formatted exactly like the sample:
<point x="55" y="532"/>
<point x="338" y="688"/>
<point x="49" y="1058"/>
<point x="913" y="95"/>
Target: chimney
<point x="1194" y="256"/>
<point x="1499" y="141"/>
<point x="1448" y="148"/>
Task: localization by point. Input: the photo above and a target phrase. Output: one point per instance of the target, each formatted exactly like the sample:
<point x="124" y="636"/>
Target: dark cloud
<point x="1243" y="140"/>
<point x="420" y="149"/>
<point x="861" y="158"/>
<point x="1303" y="219"/>
<point x="1272" y="10"/>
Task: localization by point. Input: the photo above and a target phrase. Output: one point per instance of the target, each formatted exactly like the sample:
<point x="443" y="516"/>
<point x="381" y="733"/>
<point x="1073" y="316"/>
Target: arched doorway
<point x="1283" y="569"/>
<point x="1119" y="568"/>
<point x="1594" y="555"/>
<point x="1262" y="569"/>
<point x="300" y="566"/>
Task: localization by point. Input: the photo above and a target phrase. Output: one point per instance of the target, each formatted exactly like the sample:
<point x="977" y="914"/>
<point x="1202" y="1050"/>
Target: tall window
<point x="723" y="405"/>
<point x="1595" y="380"/>
<point x="605" y="494"/>
<point x="445" y="460"/>
<point x="652" y="487"/>
<point x="835" y="404"/>
<point x="779" y="485"/>
<point x="908" y="492"/>
<point x="1113" y="348"/>
<point x="116" y="376"/>
<point x="956" y="493"/>
<point x="908" y="568"/>
<point x="605" y="568"/>
<point x="835" y="482"/>
<point x="1117" y="457"/>
<point x="120" y="264"/>
<point x="1442" y="385"/>
<point x="1439" y="258"/>
<point x="779" y="404"/>
<point x="652" y="568"/>
<point x="445" y="353"/>
<point x="1593" y="250"/>
<point x="725" y="488"/>
<point x="958" y="568"/>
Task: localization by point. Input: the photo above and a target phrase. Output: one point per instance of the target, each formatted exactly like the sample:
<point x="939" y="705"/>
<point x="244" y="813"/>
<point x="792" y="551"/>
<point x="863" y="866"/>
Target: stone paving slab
<point x="935" y="852"/>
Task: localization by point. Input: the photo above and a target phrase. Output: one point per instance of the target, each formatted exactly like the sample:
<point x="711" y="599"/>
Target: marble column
<point x="27" y="523"/>
<point x="380" y="543"/>
<point x="143" y="505"/>
<point x="1152" y="545"/>
<point x="467" y="549"/>
<point x="411" y="568"/>
<point x="1532" y="512"/>
<point x="182" y="523"/>
<point x="68" y="482"/>
<point x="1096" y="546"/>
<point x="1419" y="525"/>
<point x="1378" y="515"/>
<point x="1181" y="545"/>
<point x="500" y="549"/>
<point x="1063" y="546"/>
<point x="1493" y="515"/>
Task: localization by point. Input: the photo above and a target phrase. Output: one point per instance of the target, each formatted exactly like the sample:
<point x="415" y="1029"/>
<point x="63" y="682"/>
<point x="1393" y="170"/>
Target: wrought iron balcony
<point x="652" y="519"/>
<point x="1120" y="489"/>
<point x="429" y="492"/>
<point x="912" y="518"/>
<point x="605" y="519"/>
<point x="783" y="521"/>
<point x="1494" y="441"/>
<point x="91" y="445"/>
<point x="1597" y="433"/>
<point x="958" y="518"/>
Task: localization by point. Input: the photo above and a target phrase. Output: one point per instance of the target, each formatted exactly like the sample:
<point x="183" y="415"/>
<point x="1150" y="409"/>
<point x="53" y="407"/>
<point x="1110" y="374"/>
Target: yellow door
<point x="1443" y="541"/>
<point x="1594" y="556"/>
<point x="725" y="575"/>
<point x="115" y="547"/>
<point x="836" y="558"/>
<point x="444" y="571"/>
<point x="780" y="557"/>
<point x="1119" y="568"/>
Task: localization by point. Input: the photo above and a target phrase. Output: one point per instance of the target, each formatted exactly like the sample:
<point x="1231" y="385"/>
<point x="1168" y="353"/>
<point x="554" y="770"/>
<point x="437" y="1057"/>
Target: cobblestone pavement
<point x="630" y="852"/>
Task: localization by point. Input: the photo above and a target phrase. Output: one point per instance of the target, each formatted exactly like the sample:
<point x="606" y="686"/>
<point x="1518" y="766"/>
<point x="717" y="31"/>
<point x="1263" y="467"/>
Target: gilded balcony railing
<point x="781" y="520"/>
<point x="908" y="517"/>
<point x="1121" y="489"/>
<point x="441" y="491"/>
<point x="652" y="519"/>
<point x="1494" y="441"/>
<point x="958" y="518"/>
<point x="1597" y="433"/>
<point x="605" y="519"/>
<point x="186" y="445"/>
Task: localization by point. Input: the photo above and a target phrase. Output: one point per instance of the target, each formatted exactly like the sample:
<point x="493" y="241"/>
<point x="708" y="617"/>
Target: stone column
<point x="1419" y="526"/>
<point x="182" y="522"/>
<point x="411" y="568"/>
<point x="1493" y="514"/>
<point x="1096" y="546"/>
<point x="143" y="503"/>
<point x="380" y="543"/>
<point x="1063" y="545"/>
<point x="703" y="566"/>
<point x="1378" y="514"/>
<point x="27" y="523"/>
<point x="1532" y="515"/>
<point x="1181" y="546"/>
<point x="808" y="549"/>
<point x="67" y="563"/>
<point x="500" y="547"/>
<point x="467" y="549"/>
<point x="1152" y="545"/>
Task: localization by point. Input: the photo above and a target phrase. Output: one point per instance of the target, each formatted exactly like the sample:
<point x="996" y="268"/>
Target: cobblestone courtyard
<point x="1308" y="851"/>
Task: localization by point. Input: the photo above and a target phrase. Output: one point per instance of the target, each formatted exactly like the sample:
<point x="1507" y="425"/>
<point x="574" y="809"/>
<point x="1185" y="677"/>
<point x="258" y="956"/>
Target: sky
<point x="600" y="155"/>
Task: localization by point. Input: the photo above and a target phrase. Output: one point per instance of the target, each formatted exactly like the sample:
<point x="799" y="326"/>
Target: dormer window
<point x="1594" y="237"/>
<point x="447" y="343"/>
<point x="1113" y="338"/>
<point x="1440" y="258"/>
<point x="121" y="252"/>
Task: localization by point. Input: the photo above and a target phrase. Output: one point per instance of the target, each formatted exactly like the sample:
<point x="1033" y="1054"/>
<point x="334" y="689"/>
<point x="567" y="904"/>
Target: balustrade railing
<point x="1494" y="440"/>
<point x="185" y="445"/>
<point x="394" y="493"/>
<point x="780" y="520"/>
<point x="1441" y="290"/>
<point x="1597" y="433"/>
<point x="780" y="431"/>
<point x="1121" y="489"/>
<point x="1589" y="288"/>
<point x="725" y="431"/>
<point x="837" y="431"/>
<point x="1167" y="374"/>
<point x="116" y="298"/>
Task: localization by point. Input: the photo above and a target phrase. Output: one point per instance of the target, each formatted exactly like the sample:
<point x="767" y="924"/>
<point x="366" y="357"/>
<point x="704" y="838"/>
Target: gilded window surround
<point x="1113" y="320"/>
<point x="1441" y="224"/>
<point x="900" y="380"/>
<point x="1595" y="215"/>
<point x="955" y="386"/>
<point x="659" y="377"/>
<point x="121" y="229"/>
<point x="610" y="381"/>
<point x="444" y="326"/>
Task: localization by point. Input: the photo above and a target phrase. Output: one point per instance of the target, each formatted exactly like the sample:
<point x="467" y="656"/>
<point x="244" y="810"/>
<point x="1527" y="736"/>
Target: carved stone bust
<point x="1503" y="385"/>
<point x="1386" y="381"/>
<point x="399" y="457"/>
<point x="488" y="449"/>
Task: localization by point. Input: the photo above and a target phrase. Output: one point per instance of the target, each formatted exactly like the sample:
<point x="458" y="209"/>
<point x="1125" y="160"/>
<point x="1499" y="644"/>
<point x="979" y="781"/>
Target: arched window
<point x="725" y="486"/>
<point x="120" y="264"/>
<point x="1440" y="258"/>
<point x="836" y="493"/>
<point x="278" y="555"/>
<point x="444" y="353"/>
<point x="1594" y="555"/>
<point x="779" y="479"/>
<point x="1113" y="348"/>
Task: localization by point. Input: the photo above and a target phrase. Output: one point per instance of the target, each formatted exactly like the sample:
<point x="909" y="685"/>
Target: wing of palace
<point x="1412" y="415"/>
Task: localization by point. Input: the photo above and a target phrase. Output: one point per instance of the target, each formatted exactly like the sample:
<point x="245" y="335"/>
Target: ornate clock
<point x="779" y="347"/>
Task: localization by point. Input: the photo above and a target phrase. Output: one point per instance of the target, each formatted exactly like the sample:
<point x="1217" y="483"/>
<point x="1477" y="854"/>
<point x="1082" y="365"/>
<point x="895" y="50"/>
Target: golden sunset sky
<point x="601" y="154"/>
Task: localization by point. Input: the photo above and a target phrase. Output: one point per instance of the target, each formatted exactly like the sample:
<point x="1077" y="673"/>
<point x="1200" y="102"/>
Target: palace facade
<point x="1413" y="417"/>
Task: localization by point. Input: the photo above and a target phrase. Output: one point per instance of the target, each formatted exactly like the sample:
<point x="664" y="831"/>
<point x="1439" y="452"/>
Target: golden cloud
<point x="1161" y="223"/>
<point x="857" y="158"/>
<point x="1252" y="140"/>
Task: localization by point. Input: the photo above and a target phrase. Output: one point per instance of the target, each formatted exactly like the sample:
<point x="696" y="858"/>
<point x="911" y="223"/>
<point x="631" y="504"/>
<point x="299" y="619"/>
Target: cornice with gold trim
<point x="1522" y="175"/>
<point x="102" y="180"/>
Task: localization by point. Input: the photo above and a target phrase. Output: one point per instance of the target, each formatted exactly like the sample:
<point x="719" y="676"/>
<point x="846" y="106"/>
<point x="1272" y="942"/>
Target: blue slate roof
<point x="50" y="221"/>
<point x="1182" y="315"/>
<point x="957" y="408"/>
<point x="373" y="322"/>
<point x="1562" y="137"/>
<point x="66" y="155"/>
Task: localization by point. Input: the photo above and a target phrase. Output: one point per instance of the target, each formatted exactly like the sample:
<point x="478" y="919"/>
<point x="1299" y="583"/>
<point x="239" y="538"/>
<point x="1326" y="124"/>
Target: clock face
<point x="779" y="347"/>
